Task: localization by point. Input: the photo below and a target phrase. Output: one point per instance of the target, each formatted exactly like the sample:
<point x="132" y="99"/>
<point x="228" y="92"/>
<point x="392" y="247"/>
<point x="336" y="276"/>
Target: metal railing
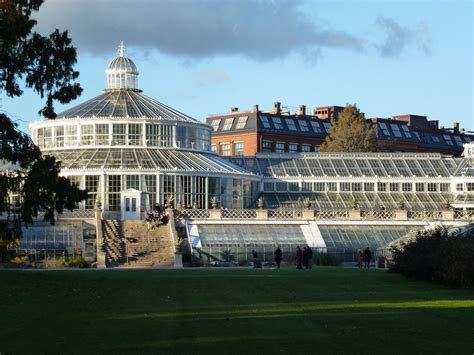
<point x="335" y="214"/>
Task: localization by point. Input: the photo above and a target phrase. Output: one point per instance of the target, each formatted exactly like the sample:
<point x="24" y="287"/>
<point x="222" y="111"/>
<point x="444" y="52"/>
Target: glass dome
<point x="122" y="72"/>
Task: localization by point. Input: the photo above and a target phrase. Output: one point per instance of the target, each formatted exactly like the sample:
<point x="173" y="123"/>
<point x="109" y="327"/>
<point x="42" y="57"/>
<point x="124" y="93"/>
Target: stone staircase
<point x="131" y="244"/>
<point x="116" y="249"/>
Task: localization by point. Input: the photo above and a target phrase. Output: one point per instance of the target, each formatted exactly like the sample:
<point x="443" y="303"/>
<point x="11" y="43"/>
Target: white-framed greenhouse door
<point x="131" y="204"/>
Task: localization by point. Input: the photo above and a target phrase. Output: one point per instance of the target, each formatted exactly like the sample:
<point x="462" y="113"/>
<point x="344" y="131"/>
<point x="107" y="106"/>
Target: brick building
<point x="249" y="132"/>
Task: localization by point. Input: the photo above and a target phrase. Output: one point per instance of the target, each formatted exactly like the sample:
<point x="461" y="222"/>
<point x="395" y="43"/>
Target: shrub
<point x="435" y="255"/>
<point x="75" y="261"/>
<point x="20" y="261"/>
<point x="53" y="263"/>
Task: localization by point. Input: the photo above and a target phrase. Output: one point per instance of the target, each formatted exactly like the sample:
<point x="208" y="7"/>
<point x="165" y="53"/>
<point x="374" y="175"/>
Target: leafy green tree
<point x="350" y="133"/>
<point x="44" y="64"/>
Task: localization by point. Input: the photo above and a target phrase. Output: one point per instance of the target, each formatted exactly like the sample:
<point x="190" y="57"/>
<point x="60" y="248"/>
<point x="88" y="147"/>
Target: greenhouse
<point x="131" y="151"/>
<point x="366" y="180"/>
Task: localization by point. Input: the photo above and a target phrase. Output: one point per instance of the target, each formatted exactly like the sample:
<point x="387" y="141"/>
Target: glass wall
<point x="92" y="187"/>
<point x="131" y="134"/>
<point x="149" y="186"/>
<point x="102" y="134"/>
<point x="114" y="188"/>
<point x="87" y="134"/>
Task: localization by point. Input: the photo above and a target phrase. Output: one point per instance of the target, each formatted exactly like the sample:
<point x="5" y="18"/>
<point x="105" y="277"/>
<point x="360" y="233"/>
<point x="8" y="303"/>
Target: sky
<point x="204" y="57"/>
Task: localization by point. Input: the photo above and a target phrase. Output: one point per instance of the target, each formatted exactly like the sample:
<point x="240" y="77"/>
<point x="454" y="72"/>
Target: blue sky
<point x="203" y="57"/>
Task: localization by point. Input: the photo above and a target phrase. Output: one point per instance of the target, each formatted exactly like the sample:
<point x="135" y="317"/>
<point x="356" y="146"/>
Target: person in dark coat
<point x="255" y="258"/>
<point x="305" y="257"/>
<point x="367" y="258"/>
<point x="309" y="258"/>
<point x="278" y="256"/>
<point x="299" y="257"/>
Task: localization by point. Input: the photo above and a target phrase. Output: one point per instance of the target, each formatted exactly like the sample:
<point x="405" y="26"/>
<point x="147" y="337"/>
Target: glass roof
<point x="145" y="159"/>
<point x="126" y="103"/>
<point x="360" y="237"/>
<point x="340" y="237"/>
<point x="365" y="200"/>
<point x="353" y="164"/>
<point x="250" y="235"/>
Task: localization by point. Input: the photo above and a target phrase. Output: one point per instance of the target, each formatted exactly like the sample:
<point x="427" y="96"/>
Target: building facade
<point x="245" y="133"/>
<point x="122" y="141"/>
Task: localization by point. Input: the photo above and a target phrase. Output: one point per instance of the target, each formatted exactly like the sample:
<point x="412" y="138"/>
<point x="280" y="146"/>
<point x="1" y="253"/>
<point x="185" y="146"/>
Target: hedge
<point x="436" y="255"/>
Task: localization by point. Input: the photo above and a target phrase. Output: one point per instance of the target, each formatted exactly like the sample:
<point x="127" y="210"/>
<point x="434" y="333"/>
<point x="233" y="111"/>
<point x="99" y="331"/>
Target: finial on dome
<point x="121" y="49"/>
<point x="121" y="72"/>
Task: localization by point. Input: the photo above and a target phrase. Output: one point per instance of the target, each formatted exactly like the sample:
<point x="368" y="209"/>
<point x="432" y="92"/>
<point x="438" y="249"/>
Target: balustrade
<point x="296" y="214"/>
<point x="464" y="214"/>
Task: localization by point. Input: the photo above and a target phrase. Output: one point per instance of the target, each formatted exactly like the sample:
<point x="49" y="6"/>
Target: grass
<point x="325" y="310"/>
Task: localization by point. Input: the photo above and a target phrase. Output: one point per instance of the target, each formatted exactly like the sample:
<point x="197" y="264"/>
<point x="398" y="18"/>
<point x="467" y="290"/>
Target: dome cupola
<point x="122" y="72"/>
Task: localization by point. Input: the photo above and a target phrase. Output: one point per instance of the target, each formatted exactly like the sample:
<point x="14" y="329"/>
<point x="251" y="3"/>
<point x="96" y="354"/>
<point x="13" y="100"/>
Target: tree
<point x="350" y="133"/>
<point x="44" y="64"/>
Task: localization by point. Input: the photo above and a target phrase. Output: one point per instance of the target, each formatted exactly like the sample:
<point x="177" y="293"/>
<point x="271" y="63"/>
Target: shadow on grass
<point x="283" y="310"/>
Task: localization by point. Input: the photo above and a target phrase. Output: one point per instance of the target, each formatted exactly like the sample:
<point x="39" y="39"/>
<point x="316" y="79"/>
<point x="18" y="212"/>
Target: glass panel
<point x="134" y="134"/>
<point x="87" y="134"/>
<point x="102" y="134"/>
<point x="241" y="123"/>
<point x="291" y="124"/>
<point x="118" y="134"/>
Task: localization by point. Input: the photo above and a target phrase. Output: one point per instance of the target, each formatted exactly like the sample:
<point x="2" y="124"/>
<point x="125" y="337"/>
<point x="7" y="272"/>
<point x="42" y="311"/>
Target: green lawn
<point x="222" y="311"/>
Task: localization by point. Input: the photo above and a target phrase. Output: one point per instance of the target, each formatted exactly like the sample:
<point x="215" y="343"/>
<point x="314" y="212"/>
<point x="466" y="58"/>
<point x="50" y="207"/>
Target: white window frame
<point x="222" y="150"/>
<point x="235" y="148"/>
<point x="228" y="124"/>
<point x="241" y="122"/>
<point x="215" y="124"/>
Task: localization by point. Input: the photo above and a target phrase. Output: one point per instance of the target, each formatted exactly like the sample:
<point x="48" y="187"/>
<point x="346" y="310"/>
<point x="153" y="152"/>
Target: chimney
<point x="434" y="124"/>
<point x="234" y="109"/>
<point x="302" y="110"/>
<point x="456" y="127"/>
<point x="314" y="111"/>
<point x="277" y="108"/>
<point x="461" y="130"/>
<point x="255" y="108"/>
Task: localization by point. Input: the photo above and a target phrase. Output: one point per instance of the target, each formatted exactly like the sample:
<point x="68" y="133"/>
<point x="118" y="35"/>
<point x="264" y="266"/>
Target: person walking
<point x="299" y="257"/>
<point x="278" y="257"/>
<point x="305" y="257"/>
<point x="309" y="257"/>
<point x="360" y="258"/>
<point x="255" y="258"/>
<point x="367" y="258"/>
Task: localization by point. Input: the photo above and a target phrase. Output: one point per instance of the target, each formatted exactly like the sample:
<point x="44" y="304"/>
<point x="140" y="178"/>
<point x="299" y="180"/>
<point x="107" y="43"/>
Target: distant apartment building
<point x="245" y="133"/>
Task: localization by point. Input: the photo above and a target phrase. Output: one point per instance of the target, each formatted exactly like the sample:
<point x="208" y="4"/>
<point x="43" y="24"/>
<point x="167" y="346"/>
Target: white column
<point x="206" y="198"/>
<point x="173" y="138"/>
<point x="102" y="190"/>
<point x="158" y="190"/>
<point x="78" y="133"/>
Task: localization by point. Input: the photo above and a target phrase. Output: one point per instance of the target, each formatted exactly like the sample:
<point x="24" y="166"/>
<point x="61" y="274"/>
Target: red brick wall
<point x="248" y="138"/>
